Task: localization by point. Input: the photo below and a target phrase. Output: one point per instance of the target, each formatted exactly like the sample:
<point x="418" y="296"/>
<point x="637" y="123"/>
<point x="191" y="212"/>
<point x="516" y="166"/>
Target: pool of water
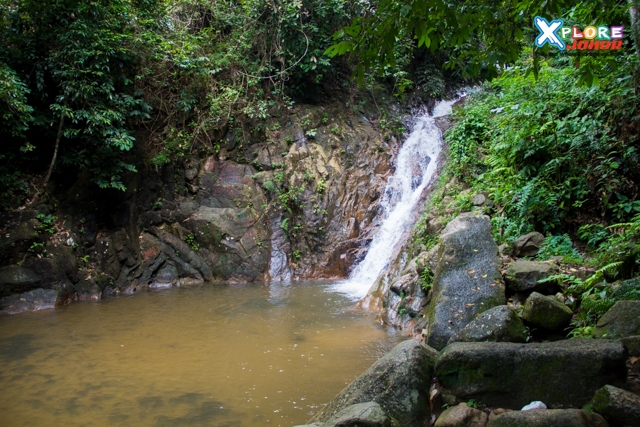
<point x="248" y="355"/>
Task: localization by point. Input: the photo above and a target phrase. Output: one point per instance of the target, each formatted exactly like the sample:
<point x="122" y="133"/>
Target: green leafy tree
<point x="77" y="62"/>
<point x="480" y="36"/>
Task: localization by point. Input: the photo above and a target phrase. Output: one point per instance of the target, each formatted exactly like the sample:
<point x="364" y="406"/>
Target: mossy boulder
<point x="523" y="275"/>
<point x="399" y="382"/>
<point x="561" y="374"/>
<point x="499" y="324"/>
<point x="622" y="320"/>
<point x="617" y="405"/>
<point x="548" y="418"/>
<point x="467" y="278"/>
<point x="546" y="312"/>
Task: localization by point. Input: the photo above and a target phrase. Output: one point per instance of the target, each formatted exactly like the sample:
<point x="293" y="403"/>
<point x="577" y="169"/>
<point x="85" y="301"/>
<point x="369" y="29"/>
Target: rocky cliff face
<point x="295" y="197"/>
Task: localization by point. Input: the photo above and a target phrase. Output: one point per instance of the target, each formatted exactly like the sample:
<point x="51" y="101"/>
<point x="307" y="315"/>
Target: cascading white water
<point x="415" y="166"/>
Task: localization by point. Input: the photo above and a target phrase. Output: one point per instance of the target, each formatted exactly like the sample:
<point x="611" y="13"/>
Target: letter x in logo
<point x="548" y="32"/>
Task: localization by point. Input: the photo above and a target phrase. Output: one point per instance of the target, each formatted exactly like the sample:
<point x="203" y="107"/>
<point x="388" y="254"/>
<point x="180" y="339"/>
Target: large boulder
<point x="523" y="276"/>
<point x="35" y="300"/>
<point x="546" y="312"/>
<point x="398" y="382"/>
<point x="561" y="374"/>
<point x="16" y="279"/>
<point x="548" y="418"/>
<point x="368" y="414"/>
<point x="617" y="405"/>
<point x="461" y="416"/>
<point x="528" y="245"/>
<point x="467" y="279"/>
<point x="499" y="324"/>
<point x="622" y="320"/>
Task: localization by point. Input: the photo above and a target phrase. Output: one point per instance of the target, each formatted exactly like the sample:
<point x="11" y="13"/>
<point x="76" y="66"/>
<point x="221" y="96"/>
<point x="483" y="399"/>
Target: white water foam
<point x="416" y="164"/>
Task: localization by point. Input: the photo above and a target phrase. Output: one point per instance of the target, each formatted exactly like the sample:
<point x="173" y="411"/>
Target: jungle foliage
<point x="118" y="84"/>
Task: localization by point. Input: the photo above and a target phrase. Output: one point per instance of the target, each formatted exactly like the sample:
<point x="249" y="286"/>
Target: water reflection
<point x="212" y="356"/>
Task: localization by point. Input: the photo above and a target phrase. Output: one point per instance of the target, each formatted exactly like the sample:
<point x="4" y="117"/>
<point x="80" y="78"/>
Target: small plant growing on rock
<point x="297" y="254"/>
<point x="46" y="223"/>
<point x="472" y="403"/>
<point x="191" y="241"/>
<point x="322" y="185"/>
<point x="426" y="280"/>
<point x="37" y="248"/>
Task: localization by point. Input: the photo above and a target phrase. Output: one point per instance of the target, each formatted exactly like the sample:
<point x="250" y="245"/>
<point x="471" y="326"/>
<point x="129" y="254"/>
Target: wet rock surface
<point x="35" y="300"/>
<point x="15" y="279"/>
<point x="398" y="382"/>
<point x="467" y="280"/>
<point x="562" y="374"/>
<point x="547" y="418"/>
<point x="367" y="414"/>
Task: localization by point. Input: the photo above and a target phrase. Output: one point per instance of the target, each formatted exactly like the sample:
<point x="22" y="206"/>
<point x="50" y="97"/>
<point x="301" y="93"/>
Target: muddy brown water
<point x="250" y="355"/>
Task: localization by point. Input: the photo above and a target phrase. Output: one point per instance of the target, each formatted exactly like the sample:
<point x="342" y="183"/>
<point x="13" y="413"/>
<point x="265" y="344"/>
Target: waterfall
<point x="416" y="164"/>
<point x="278" y="265"/>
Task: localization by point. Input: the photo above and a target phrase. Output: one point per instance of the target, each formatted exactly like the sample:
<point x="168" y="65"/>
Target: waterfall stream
<point x="416" y="165"/>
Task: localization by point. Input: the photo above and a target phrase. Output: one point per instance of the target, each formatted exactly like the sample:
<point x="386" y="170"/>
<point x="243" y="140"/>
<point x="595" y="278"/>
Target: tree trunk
<point x="55" y="153"/>
<point x="634" y="12"/>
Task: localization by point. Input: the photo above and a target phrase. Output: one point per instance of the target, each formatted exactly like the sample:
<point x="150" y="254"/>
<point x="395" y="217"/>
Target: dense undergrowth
<point x="560" y="158"/>
<point x="111" y="87"/>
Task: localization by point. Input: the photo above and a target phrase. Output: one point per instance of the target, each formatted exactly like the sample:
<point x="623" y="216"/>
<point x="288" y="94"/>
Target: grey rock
<point x="546" y="312"/>
<point x="190" y="173"/>
<point x="499" y="324"/>
<point x="548" y="418"/>
<point x="467" y="280"/>
<point x="368" y="414"/>
<point x="479" y="199"/>
<point x="622" y="320"/>
<point x="398" y="382"/>
<point x="617" y="405"/>
<point x="35" y="300"/>
<point x="15" y="279"/>
<point x="462" y="416"/>
<point x="523" y="276"/>
<point x="166" y="277"/>
<point x="561" y="374"/>
<point x="528" y="245"/>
